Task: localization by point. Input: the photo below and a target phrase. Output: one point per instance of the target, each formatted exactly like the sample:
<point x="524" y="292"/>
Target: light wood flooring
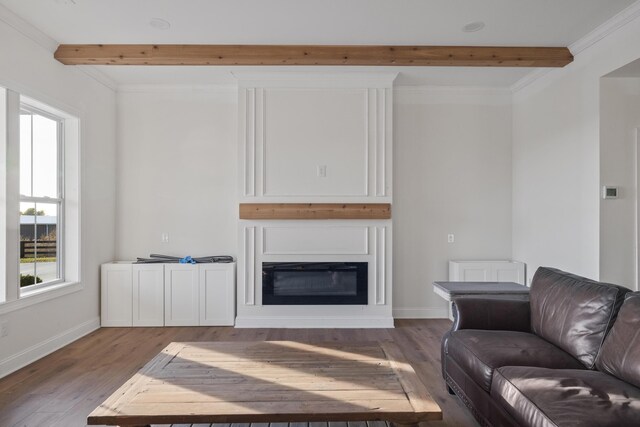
<point x="61" y="389"/>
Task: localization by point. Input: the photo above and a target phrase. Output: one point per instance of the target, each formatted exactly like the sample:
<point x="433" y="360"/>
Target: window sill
<point x="37" y="296"/>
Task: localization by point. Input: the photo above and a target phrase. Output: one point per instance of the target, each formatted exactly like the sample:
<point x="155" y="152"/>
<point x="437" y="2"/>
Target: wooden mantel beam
<point x="461" y="56"/>
<point x="262" y="211"/>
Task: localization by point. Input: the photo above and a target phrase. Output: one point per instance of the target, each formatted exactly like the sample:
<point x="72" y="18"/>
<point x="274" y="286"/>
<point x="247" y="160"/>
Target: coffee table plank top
<point x="271" y="381"/>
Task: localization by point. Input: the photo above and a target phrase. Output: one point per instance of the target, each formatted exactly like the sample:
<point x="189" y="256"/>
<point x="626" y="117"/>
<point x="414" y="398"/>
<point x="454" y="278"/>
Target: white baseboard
<point x="293" y="322"/>
<point x="38" y="351"/>
<point x="420" y="313"/>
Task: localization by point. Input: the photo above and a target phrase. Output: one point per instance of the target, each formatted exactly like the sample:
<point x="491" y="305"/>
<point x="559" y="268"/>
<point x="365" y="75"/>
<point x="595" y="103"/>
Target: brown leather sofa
<point x="570" y="356"/>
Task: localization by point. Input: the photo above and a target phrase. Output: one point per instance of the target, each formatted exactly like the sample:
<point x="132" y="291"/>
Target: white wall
<point x="556" y="158"/>
<point x="177" y="171"/>
<point x="619" y="119"/>
<point x="452" y="174"/>
<point x="27" y="67"/>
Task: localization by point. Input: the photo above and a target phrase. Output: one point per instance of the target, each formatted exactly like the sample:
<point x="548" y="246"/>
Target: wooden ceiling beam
<point x="365" y="55"/>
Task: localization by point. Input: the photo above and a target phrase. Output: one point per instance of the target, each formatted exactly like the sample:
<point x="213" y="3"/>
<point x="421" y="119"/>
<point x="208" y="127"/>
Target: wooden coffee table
<point x="271" y="381"/>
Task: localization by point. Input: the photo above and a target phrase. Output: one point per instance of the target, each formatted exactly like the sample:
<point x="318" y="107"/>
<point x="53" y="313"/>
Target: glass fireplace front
<point x="314" y="283"/>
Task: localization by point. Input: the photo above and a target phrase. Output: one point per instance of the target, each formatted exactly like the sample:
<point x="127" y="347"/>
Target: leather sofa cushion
<point x="541" y="397"/>
<point x="573" y="312"/>
<point x="480" y="352"/>
<point x="620" y="353"/>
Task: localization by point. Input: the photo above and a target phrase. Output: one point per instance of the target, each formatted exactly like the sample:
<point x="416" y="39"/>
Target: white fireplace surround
<point x="309" y="241"/>
<point x="315" y="139"/>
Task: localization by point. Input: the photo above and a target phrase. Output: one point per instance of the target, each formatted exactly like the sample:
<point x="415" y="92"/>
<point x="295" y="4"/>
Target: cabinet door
<point x="475" y="272"/>
<point x="181" y="295"/>
<point x="217" y="294"/>
<point x="116" y="295"/>
<point x="509" y="272"/>
<point x="148" y="295"/>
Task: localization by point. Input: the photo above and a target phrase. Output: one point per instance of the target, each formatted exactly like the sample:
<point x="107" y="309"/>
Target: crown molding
<point x="591" y="38"/>
<point x="459" y="95"/>
<point x="49" y="44"/>
<point x="528" y="79"/>
<point x="450" y="88"/>
<point x="315" y="78"/>
<point x="27" y="30"/>
<point x="605" y="29"/>
<point x="98" y="76"/>
<point x="178" y="88"/>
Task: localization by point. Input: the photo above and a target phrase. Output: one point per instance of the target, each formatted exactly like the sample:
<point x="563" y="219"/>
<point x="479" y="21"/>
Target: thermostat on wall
<point x="609" y="192"/>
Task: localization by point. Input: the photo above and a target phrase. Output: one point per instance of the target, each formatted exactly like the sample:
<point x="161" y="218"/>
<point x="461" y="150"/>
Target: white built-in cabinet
<point x="181" y="297"/>
<point x="217" y="298"/>
<point x="167" y="294"/>
<point x="117" y="295"/>
<point x="487" y="271"/>
<point x="148" y="295"/>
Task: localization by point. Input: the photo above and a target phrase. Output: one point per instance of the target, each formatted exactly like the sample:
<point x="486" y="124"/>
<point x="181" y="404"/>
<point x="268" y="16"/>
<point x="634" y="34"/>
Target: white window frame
<point x="59" y="200"/>
<point x="12" y="297"/>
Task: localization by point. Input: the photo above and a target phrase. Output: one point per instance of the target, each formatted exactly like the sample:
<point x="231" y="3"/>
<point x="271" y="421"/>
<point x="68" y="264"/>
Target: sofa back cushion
<point x="620" y="354"/>
<point x="573" y="312"/>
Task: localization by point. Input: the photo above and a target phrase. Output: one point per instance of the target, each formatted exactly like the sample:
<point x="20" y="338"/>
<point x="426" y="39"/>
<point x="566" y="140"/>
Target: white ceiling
<point x="428" y="22"/>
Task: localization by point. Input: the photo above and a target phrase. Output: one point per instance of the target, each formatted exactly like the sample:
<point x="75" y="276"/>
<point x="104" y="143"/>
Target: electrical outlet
<point x="164" y="237"/>
<point x="322" y="171"/>
<point x="451" y="238"/>
<point x="4" y="329"/>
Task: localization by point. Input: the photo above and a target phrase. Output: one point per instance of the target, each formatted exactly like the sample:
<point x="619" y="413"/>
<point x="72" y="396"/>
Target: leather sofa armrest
<point x="492" y="314"/>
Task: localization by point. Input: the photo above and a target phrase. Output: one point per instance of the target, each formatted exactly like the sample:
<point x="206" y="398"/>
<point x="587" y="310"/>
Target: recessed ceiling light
<point x="160" y="24"/>
<point x="472" y="27"/>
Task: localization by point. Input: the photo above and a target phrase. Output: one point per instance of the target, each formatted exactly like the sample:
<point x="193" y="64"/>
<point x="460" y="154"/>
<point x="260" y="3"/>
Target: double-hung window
<point x="41" y="198"/>
<point x="39" y="201"/>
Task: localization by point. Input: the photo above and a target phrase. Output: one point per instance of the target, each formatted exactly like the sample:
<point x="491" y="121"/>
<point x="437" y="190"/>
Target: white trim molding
<point x="530" y="78"/>
<point x="294" y="322"/>
<point x="248" y="265"/>
<point x="300" y="239"/>
<point x="420" y="313"/>
<point x="380" y="265"/>
<point x="260" y="178"/>
<point x="315" y="241"/>
<point x="457" y="95"/>
<point x="49" y="44"/>
<point x="40" y="295"/>
<point x="249" y="147"/>
<point x="315" y="78"/>
<point x="227" y="89"/>
<point x="97" y="75"/>
<point x="38" y="351"/>
<point x="606" y="28"/>
<point x="602" y="31"/>
<point x="27" y="30"/>
<point x="366" y="100"/>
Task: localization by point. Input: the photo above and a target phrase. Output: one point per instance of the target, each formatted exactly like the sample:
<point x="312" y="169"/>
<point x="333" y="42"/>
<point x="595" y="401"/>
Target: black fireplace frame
<point x="362" y="284"/>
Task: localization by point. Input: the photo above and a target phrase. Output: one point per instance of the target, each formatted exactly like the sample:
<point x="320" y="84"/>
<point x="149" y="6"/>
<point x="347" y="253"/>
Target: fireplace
<point x="314" y="283"/>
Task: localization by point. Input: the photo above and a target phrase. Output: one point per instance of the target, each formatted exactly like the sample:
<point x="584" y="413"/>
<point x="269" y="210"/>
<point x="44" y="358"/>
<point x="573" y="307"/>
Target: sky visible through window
<point x="39" y="159"/>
